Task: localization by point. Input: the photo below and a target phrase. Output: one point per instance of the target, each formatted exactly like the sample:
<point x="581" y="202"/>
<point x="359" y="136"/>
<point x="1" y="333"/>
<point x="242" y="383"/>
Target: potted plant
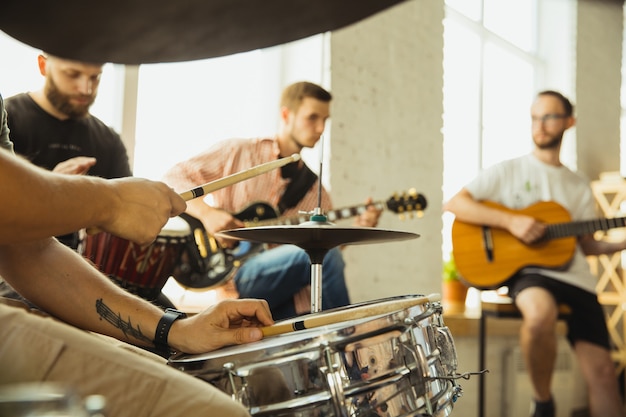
<point x="454" y="290"/>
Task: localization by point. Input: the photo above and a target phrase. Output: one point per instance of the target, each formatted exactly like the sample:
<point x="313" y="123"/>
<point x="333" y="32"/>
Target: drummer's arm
<point x="63" y="284"/>
<point x="37" y="204"/>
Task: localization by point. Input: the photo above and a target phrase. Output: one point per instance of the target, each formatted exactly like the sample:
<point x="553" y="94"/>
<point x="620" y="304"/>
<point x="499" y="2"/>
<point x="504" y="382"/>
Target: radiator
<point x="568" y="386"/>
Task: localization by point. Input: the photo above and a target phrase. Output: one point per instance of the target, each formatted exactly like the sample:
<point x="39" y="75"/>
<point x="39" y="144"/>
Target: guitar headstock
<point x="408" y="202"/>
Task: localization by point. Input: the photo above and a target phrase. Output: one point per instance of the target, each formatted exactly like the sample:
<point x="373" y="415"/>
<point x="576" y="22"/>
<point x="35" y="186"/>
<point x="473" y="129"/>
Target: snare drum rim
<point x="278" y="346"/>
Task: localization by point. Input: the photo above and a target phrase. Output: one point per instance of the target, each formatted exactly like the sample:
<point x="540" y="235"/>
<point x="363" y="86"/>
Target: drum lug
<point x="414" y="359"/>
<point x="236" y="394"/>
<point x="333" y="380"/>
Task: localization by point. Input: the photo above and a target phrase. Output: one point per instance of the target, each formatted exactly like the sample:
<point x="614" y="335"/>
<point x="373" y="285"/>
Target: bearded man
<point x="541" y="178"/>
<point x="52" y="127"/>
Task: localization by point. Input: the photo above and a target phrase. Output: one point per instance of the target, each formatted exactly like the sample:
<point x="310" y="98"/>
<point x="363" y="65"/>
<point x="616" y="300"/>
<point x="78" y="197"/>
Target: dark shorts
<point x="587" y="320"/>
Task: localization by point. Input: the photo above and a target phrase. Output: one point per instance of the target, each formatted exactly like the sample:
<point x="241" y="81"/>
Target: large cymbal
<point x="148" y="31"/>
<point x="322" y="236"/>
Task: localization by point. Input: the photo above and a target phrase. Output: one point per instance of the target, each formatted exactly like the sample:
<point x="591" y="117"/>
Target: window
<point x="492" y="69"/>
<point x="184" y="107"/>
<point x="490" y="72"/>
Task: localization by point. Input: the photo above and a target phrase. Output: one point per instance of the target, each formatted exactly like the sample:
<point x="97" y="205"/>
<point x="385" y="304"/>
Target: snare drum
<point x="393" y="364"/>
<point x="143" y="270"/>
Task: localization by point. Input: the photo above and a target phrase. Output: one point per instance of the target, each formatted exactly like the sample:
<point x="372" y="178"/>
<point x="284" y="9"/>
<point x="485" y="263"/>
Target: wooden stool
<point x="502" y="307"/>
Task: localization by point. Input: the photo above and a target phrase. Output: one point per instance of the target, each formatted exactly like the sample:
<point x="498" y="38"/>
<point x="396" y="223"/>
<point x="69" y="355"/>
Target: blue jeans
<point x="277" y="274"/>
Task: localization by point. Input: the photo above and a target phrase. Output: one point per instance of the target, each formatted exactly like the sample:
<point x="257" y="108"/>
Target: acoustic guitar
<point x="487" y="257"/>
<point x="206" y="264"/>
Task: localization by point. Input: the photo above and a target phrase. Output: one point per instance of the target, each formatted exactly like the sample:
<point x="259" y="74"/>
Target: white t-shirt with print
<point x="520" y="182"/>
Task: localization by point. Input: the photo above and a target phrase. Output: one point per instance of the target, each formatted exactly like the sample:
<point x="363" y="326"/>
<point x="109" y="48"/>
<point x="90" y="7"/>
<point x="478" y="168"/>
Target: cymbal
<point x="317" y="236"/>
<point x="149" y="31"/>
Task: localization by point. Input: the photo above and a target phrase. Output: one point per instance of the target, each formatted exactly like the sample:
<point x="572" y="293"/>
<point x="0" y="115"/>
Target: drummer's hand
<point x="369" y="218"/>
<point x="139" y="208"/>
<point x="230" y="322"/>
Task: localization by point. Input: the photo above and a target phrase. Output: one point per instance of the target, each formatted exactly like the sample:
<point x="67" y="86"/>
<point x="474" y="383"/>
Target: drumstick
<point x="237" y="177"/>
<point x="226" y="181"/>
<point x="324" y="319"/>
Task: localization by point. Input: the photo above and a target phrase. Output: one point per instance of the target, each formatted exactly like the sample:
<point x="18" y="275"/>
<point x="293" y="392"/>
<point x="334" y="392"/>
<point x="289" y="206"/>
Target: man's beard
<point x="554" y="143"/>
<point x="296" y="141"/>
<point x="62" y="101"/>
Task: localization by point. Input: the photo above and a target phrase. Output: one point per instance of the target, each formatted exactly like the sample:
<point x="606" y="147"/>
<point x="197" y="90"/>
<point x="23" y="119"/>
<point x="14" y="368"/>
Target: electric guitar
<point x="486" y="257"/>
<point x="206" y="264"/>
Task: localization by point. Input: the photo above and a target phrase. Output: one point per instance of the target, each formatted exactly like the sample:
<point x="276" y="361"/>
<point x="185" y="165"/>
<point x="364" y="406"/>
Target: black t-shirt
<point x="45" y="141"/>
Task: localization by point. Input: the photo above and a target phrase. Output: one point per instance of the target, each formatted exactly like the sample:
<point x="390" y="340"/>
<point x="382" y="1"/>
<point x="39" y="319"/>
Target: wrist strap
<point x="163" y="328"/>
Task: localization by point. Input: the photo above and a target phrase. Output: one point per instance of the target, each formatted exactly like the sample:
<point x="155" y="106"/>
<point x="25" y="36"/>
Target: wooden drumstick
<point x="324" y="319"/>
<point x="237" y="177"/>
<point x="226" y="181"/>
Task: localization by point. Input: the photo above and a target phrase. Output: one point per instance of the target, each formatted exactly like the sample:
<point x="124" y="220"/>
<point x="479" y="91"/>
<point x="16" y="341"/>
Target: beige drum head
<point x="175" y="227"/>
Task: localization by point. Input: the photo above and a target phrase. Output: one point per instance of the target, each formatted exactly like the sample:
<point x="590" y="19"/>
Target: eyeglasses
<point x="548" y="118"/>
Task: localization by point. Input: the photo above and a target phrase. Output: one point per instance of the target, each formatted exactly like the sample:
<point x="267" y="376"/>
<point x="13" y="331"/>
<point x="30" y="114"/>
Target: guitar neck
<point x="332" y="215"/>
<point x="583" y="227"/>
<point x="347" y="212"/>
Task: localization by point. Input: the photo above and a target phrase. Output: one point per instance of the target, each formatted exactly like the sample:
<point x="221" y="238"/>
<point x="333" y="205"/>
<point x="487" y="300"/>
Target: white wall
<point x="386" y="137"/>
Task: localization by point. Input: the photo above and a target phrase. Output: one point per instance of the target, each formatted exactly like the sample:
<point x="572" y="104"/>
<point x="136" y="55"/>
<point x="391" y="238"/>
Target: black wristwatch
<point x="163" y="328"/>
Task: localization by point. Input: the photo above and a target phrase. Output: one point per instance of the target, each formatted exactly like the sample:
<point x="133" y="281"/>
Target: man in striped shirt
<point x="277" y="274"/>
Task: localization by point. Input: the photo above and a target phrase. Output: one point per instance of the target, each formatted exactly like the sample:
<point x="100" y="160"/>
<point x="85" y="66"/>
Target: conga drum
<point x="142" y="270"/>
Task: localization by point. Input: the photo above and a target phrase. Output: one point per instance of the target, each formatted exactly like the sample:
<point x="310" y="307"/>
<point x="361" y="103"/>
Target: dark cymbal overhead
<point x="149" y="31"/>
<point x="317" y="236"/>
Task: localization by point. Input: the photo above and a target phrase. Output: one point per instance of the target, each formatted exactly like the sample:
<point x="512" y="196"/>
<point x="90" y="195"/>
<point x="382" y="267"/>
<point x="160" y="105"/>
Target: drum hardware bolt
<point x="438" y="307"/>
<point x="414" y="361"/>
<point x="229" y="366"/>
<point x="336" y="391"/>
<point x="457" y="392"/>
<point x="417" y="319"/>
<point x="465" y="375"/>
<point x="333" y="381"/>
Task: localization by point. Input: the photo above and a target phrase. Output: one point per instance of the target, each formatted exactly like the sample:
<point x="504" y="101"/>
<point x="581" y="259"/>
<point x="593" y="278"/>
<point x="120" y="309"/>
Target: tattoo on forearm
<point x="116" y="320"/>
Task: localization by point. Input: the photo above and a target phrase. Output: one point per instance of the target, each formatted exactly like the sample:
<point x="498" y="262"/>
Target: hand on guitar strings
<point x="526" y="228"/>
<point x="369" y="218"/>
<point x="217" y="220"/>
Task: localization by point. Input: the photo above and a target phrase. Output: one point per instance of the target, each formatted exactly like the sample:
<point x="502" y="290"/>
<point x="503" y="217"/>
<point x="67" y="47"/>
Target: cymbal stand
<point x="316" y="255"/>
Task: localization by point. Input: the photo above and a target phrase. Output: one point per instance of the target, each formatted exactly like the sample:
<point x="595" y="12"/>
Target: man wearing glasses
<point x="516" y="184"/>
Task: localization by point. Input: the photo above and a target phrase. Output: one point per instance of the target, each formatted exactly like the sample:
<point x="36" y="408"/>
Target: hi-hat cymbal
<point x="317" y="236"/>
<point x="148" y="31"/>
